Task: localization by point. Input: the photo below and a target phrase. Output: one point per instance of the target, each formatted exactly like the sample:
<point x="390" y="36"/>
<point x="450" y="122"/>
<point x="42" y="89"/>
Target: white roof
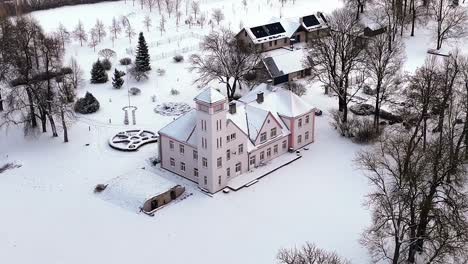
<point x="210" y="95"/>
<point x="278" y="100"/>
<point x="134" y="188"/>
<point x="183" y="128"/>
<point x="255" y="119"/>
<point x="285" y="61"/>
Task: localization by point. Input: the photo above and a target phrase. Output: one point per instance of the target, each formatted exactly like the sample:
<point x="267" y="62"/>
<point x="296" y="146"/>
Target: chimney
<point x="260" y="97"/>
<point x="232" y="108"/>
<point x="269" y="84"/>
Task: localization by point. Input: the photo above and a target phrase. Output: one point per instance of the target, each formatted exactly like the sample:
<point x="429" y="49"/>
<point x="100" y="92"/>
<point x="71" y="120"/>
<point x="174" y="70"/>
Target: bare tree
<point x="218" y="15"/>
<point x="115" y="29"/>
<point x="63" y="34"/>
<point x="162" y="24"/>
<point x="383" y="67"/>
<point x="202" y="19"/>
<point x="309" y="254"/>
<point x="226" y="60"/>
<point x="151" y="4"/>
<point x="129" y="32"/>
<point x="159" y="3"/>
<point x="195" y="9"/>
<point x="178" y="17"/>
<point x="177" y="6"/>
<point x="107" y="54"/>
<point x="94" y="39"/>
<point x="80" y="33"/>
<point x="451" y="20"/>
<point x="76" y="77"/>
<point x="336" y="58"/>
<point x="100" y="30"/>
<point x="147" y="23"/>
<point x="169" y="6"/>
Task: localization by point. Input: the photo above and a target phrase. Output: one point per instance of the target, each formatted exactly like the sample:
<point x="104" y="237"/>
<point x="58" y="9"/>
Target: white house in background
<point x="218" y="141"/>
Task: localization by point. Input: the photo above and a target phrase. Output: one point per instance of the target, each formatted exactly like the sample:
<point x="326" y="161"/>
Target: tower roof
<point x="210" y="95"/>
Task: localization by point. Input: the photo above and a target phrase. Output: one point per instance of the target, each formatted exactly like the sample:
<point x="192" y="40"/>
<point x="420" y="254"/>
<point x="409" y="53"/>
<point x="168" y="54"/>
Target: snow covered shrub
<point x="363" y="131"/>
<point x="125" y="61"/>
<point x="134" y="91"/>
<point x="161" y="71"/>
<point x="362" y="109"/>
<point x="178" y="58"/>
<point x="297" y="88"/>
<point x="345" y="129"/>
<point x="368" y="90"/>
<point x="174" y="91"/>
<point x="100" y="187"/>
<point x="106" y="64"/>
<point x="250" y="76"/>
<point x="391" y="118"/>
<point x="138" y="75"/>
<point x="154" y="161"/>
<point x="87" y="105"/>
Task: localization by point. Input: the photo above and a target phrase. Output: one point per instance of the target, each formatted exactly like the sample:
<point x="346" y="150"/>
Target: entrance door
<point x="173" y="195"/>
<point x="154" y="204"/>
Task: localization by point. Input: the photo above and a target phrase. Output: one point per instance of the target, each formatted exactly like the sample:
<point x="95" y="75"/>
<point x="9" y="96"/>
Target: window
<point x="252" y="160"/>
<point x="218" y="108"/>
<point x="268" y="152"/>
<point x="299" y="139"/>
<point x="203" y="108"/>
<point x="276" y="42"/>
<point x="204" y="143"/>
<point x="205" y="180"/>
<point x="182" y="166"/>
<point x="219" y="162"/>
<point x="228" y="154"/>
<point x="219" y="179"/>
<point x="275" y="149"/>
<point x="228" y="139"/>
<point x="270" y="44"/>
<point x="262" y="155"/>
<point x="195" y="172"/>
<point x="171" y="145"/>
<point x="172" y="162"/>
<point x="181" y="149"/>
<point x="219" y="142"/>
<point x="195" y="155"/>
<point x="285" y="40"/>
<point x="241" y="149"/>
<point x="284" y="144"/>
<point x="238" y="167"/>
<point x="306" y="135"/>
<point x="228" y="172"/>
<point x="233" y="136"/>
<point x="307" y="119"/>
<point x="263" y="137"/>
<point x="273" y="132"/>
<point x="300" y="122"/>
<point x="204" y="162"/>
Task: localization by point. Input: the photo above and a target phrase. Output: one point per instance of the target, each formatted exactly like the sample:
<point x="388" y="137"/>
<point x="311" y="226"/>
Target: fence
<point x="167" y="54"/>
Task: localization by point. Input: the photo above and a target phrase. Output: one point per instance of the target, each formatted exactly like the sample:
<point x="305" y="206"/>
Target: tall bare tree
<point x="80" y="33"/>
<point x="309" y="254"/>
<point x="225" y="59"/>
<point x="451" y="21"/>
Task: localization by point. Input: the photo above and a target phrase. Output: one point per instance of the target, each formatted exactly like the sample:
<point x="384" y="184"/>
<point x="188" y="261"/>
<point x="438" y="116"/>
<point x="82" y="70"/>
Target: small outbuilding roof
<point x="286" y="62"/>
<point x="134" y="188"/>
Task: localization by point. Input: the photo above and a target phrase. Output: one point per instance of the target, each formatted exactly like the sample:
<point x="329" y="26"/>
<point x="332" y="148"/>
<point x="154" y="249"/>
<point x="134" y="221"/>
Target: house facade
<point x="218" y="141"/>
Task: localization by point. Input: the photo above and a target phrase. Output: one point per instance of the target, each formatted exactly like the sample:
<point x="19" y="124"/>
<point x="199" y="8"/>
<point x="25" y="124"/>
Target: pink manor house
<point x="218" y="141"/>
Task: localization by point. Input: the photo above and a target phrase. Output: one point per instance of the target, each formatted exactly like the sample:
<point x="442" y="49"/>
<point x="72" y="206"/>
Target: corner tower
<point x="211" y="132"/>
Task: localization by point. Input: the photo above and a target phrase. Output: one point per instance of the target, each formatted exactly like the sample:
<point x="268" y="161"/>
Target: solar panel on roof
<point x="311" y="21"/>
<point x="259" y="32"/>
<point x="275" y="28"/>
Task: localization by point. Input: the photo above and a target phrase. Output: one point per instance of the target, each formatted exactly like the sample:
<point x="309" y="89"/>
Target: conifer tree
<point x="98" y="73"/>
<point x="117" y="80"/>
<point x="142" y="61"/>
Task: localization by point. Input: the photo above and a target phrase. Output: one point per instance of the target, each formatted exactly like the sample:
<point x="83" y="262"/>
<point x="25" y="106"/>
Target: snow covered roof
<point x="285" y="62"/>
<point x="277" y="100"/>
<point x="134" y="188"/>
<point x="210" y="95"/>
<point x="183" y="128"/>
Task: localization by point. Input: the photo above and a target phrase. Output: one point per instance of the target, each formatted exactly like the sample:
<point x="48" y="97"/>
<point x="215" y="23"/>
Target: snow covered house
<point x="285" y="65"/>
<point x="218" y="141"/>
<point x="280" y="33"/>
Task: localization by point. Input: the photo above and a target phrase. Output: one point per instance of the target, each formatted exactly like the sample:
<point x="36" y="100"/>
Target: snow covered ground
<point x="49" y="213"/>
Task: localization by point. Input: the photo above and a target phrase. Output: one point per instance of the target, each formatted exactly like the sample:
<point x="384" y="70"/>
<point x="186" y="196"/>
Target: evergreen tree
<point x="117" y="80"/>
<point x="98" y="73"/>
<point x="142" y="61"/>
